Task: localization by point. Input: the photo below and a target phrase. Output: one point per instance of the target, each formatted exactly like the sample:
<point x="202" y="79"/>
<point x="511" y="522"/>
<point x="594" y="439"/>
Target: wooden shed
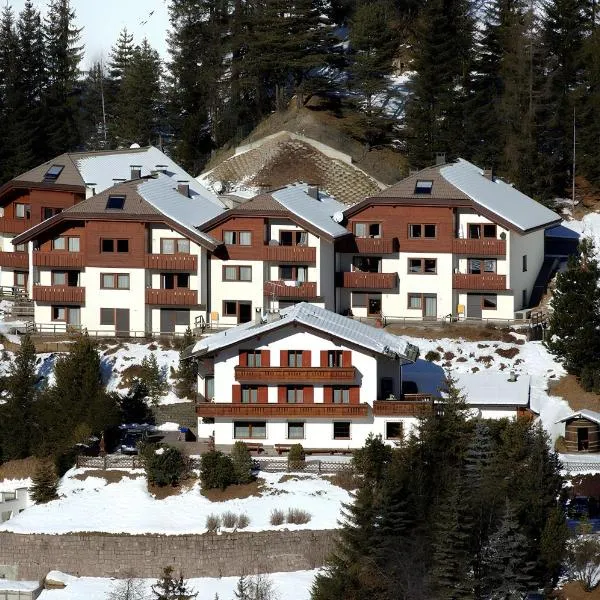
<point x="582" y="431"/>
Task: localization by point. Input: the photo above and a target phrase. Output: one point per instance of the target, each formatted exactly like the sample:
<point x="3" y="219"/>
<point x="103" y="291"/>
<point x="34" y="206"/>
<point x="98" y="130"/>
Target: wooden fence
<point x="575" y="467"/>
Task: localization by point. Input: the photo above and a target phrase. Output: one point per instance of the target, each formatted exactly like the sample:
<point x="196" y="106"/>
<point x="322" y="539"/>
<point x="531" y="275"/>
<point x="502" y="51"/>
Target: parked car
<point x="130" y="441"/>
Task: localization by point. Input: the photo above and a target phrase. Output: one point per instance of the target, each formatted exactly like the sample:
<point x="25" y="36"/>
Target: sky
<point x="102" y="20"/>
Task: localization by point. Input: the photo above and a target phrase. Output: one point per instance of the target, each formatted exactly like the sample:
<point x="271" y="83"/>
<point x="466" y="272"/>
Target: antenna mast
<point x="574" y="156"/>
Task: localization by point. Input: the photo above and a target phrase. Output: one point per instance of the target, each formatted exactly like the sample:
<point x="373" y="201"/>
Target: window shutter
<point x="265" y="358"/>
<point x="283" y="358"/>
<point x="306" y="358"/>
<point x="346" y="358"/>
<point x="327" y="394"/>
<point x="263" y="394"/>
<point x="323" y="358"/>
<point x="308" y="396"/>
<point x="281" y="394"/>
<point x="236" y="393"/>
<point x="243" y="358"/>
<point x="354" y="395"/>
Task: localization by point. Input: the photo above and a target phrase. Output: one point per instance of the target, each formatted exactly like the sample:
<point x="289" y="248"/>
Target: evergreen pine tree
<point x="152" y="378"/>
<point x="44" y="483"/>
<point x="187" y="373"/>
<point x="120" y="55"/>
<point x="17" y="422"/>
<point x="93" y="109"/>
<point x="574" y="321"/>
<point x="242" y="462"/>
<point x="169" y="587"/>
<point x="242" y="591"/>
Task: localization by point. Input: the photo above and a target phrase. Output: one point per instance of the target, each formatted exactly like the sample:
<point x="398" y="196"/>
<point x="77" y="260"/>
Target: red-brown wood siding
<point x="263" y="394"/>
<point x="354" y="394"/>
<point x="327" y="394"/>
<point x="323" y="361"/>
<point x="281" y="394"/>
<point x="346" y="358"/>
<point x="265" y="358"/>
<point x="134" y="232"/>
<point x="255" y="225"/>
<point x="243" y="362"/>
<point x="306" y="358"/>
<point x="283" y="358"/>
<point x="308" y="395"/>
<point x="236" y="393"/>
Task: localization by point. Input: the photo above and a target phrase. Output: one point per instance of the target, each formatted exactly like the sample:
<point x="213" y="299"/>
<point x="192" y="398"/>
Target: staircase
<point x="540" y="287"/>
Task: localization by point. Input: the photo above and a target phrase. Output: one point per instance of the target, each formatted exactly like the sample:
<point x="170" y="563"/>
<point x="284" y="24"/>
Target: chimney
<point x="136" y="171"/>
<point x="118" y="180"/>
<point x="258" y="315"/>
<point x="183" y="187"/>
<point x="273" y="315"/>
<point x="313" y="191"/>
<point x="161" y="168"/>
<point x="440" y="158"/>
<point x="489" y="174"/>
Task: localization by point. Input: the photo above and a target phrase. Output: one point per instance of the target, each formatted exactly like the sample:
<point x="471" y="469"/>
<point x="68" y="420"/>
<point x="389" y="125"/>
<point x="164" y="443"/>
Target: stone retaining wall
<point x="31" y="556"/>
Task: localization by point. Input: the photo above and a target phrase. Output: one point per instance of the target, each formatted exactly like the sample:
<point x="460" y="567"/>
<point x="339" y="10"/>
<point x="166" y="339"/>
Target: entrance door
<point x="374" y="305"/>
<point x="582" y="439"/>
<point x="122" y="321"/>
<point x="430" y="306"/>
<point x="244" y="312"/>
<point x="474" y="306"/>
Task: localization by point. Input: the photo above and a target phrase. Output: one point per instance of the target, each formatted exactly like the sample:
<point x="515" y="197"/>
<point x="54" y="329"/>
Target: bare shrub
<point x="277" y="517"/>
<point x="243" y="521"/>
<point x="213" y="522"/>
<point x="508" y="352"/>
<point x="229" y="519"/>
<point x="448" y="355"/>
<point x="298" y="516"/>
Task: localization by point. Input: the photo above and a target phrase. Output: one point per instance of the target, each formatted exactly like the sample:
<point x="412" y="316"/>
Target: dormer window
<point x="53" y="172"/>
<point x="423" y="186"/>
<point x="115" y="202"/>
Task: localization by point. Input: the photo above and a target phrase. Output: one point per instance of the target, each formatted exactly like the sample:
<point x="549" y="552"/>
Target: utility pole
<point x="573" y="167"/>
<point x="103" y="107"/>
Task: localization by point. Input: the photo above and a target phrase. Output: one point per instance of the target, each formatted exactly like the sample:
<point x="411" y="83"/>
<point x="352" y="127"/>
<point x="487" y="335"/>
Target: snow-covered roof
<point x="584" y="413"/>
<point x="9" y="585"/>
<point x="313" y="317"/>
<point x="494" y="389"/>
<point x="498" y="197"/>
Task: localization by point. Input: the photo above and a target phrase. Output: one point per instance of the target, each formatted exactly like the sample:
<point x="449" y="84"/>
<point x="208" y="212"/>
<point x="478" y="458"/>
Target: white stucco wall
<point x="531" y="245"/>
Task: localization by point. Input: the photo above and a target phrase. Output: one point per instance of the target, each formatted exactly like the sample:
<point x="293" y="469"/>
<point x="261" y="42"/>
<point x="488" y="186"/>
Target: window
<point x="422" y="231"/>
<point x="20" y="278"/>
<point x="114" y="281"/>
<point x="478" y="230"/>
<point x="209" y="387"/>
<point x="293" y="238"/>
<point x="22" y="211"/>
<point x="249" y="394"/>
<point x="293" y="273"/>
<point x="366" y="264"/>
<point x="341" y="430"/>
<point x="174" y="246"/>
<point x="295" y="431"/>
<point x="73" y="244"/>
<point x="109" y="245"/>
<point x="341" y="395"/>
<point x="48" y="212"/>
<point x="122" y="245"/>
<point x="240" y="309"/>
<point x="422" y="265"/>
<point x="335" y="358"/>
<point x="367" y="230"/>
<point x="116" y="202"/>
<point x="359" y="300"/>
<point x="59" y="313"/>
<point x="415" y="301"/>
<point x="66" y="243"/>
<point x="254" y="358"/>
<point x="235" y="273"/>
<point x="250" y="429"/>
<point x="20" y="247"/>
<point x="524" y="299"/>
<point x="240" y="238"/>
<point x="67" y="314"/>
<point x="423" y="186"/>
<point x="59" y="243"/>
<point x="489" y="302"/>
<point x="294" y="358"/>
<point x="107" y="316"/>
<point x="477" y="266"/>
<point x="524" y="263"/>
<point x="229" y="309"/>
<point x="294" y="394"/>
<point x="53" y="172"/>
<point x="393" y="430"/>
<point x="59" y="278"/>
<point x="172" y="281"/>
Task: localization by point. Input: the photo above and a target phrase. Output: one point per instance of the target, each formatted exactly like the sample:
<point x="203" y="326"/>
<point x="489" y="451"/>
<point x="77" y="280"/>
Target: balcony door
<point x="474" y="306"/>
<point x="122" y="321"/>
<point x="430" y="306"/>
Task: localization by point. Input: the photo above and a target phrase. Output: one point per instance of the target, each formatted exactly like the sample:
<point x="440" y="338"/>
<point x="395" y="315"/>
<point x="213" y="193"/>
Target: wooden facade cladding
<point x="271" y="410"/>
<point x="575" y="442"/>
<point x="254" y="251"/>
<point x="177" y="297"/>
<point x="367" y="281"/>
<point x="310" y="375"/>
<point x="18" y="260"/>
<point x="172" y="262"/>
<point x="66" y="260"/>
<point x="397" y="408"/>
<point x="306" y="290"/>
<point x="485" y="281"/>
<point x="134" y="232"/>
<point x="291" y="254"/>
<point x="376" y="245"/>
<point x="59" y="294"/>
<point x="15" y="225"/>
<point x="480" y="247"/>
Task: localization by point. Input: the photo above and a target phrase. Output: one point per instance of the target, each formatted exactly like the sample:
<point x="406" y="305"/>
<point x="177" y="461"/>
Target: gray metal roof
<point x="590" y="415"/>
<point x="314" y="317"/>
<point x="498" y="197"/>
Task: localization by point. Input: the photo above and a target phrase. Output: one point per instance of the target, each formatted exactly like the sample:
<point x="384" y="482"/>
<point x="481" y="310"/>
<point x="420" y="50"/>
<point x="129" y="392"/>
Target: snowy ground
<point x="93" y="504"/>
<point x="287" y="586"/>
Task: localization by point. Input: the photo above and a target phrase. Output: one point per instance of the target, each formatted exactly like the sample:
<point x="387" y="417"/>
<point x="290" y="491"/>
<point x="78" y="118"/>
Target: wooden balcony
<point x="66" y="260"/>
<point x="282" y="411"/>
<point x="18" y="260"/>
<point x="401" y="408"/>
<point x="367" y="281"/>
<point x="59" y="294"/>
<point x="483" y="282"/>
<point x="291" y="254"/>
<point x="479" y="247"/>
<point x="376" y="245"/>
<point x="177" y="297"/>
<point x="308" y="375"/>
<point x="172" y="262"/>
<point x="15" y="225"/>
<point x="278" y="289"/>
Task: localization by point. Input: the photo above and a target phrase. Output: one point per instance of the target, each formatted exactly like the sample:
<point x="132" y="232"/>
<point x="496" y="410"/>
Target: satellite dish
<point x="338" y="217"/>
<point x="134" y="145"/>
<point x="218" y="187"/>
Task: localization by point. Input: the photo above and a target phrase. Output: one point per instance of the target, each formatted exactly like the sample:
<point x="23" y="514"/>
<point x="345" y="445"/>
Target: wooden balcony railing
<point x="59" y="293"/>
<point x="367" y="281"/>
<point x="264" y="411"/>
<point x="306" y="290"/>
<point x="376" y="245"/>
<point x="399" y="408"/>
<point x="485" y="281"/>
<point x="479" y="247"/>
<point x="291" y="254"/>
<point x="58" y="259"/>
<point x="15" y="225"/>
<point x="322" y="375"/>
<point x="178" y="297"/>
<point x="14" y="259"/>
<point x="172" y="262"/>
